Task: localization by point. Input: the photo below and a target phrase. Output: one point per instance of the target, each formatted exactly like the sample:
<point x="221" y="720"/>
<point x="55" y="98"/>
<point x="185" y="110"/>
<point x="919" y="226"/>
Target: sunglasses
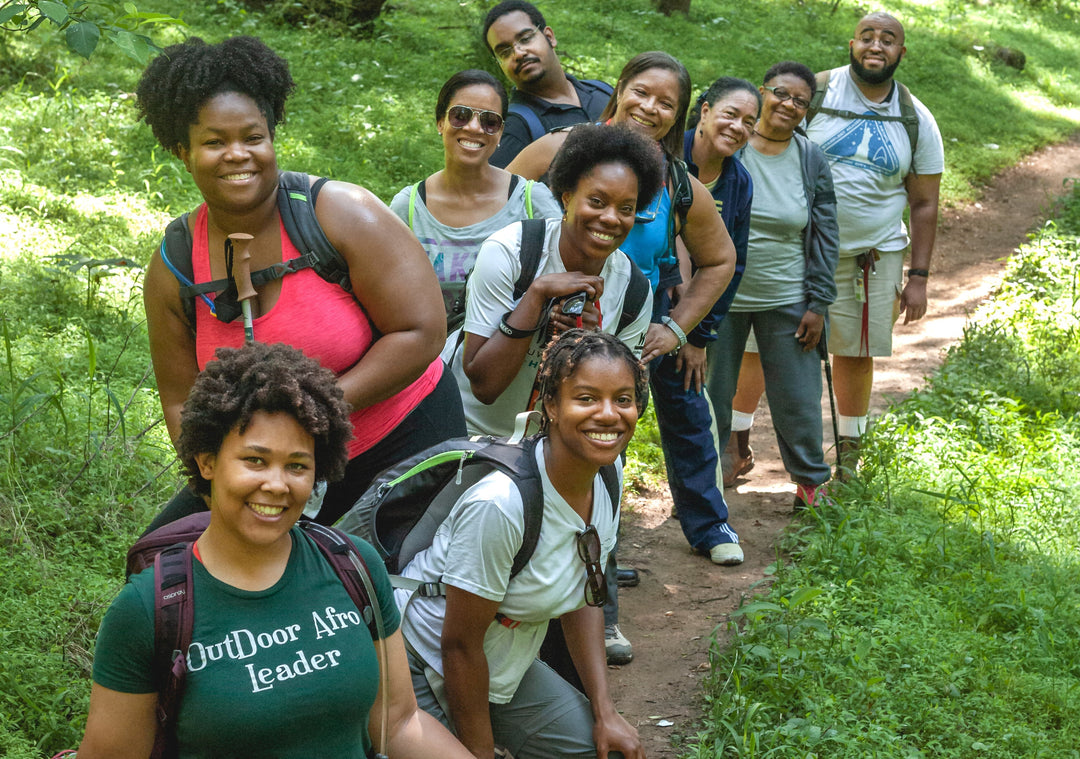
<point x="459" y="117"/>
<point x="783" y="95"/>
<point x="588" y="548"/>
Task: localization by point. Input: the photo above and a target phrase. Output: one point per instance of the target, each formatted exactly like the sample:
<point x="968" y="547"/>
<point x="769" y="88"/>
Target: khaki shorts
<point x="846" y="314"/>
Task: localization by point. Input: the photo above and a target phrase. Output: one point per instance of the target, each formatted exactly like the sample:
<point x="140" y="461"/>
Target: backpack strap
<point x="350" y="568"/>
<point x="532" y="502"/>
<point x="610" y="475"/>
<point x="682" y="192"/>
<point x="597" y="84"/>
<point x="909" y="117"/>
<point x="528" y="198"/>
<point x="174" y="620"/>
<point x="532" y="121"/>
<point x="821" y="80"/>
<point x="296" y="204"/>
<point x="532" y="244"/>
<point x="176" y="255"/>
<point x="413" y="191"/>
<point x="636" y="292"/>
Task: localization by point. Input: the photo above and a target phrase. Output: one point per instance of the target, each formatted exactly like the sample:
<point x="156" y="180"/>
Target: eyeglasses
<point x="588" y="548"/>
<point x="522" y="41"/>
<point x="459" y="117"/>
<point x="783" y="95"/>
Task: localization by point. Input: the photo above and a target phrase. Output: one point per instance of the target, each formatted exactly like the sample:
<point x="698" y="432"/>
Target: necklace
<point x="771" y="139"/>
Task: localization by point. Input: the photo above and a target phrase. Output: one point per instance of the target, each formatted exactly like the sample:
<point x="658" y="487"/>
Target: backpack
<point x="168" y="550"/>
<point x="296" y="204"/>
<point x="532" y="121"/>
<point x="682" y="192"/>
<point x="404" y="506"/>
<point x="454" y="292"/>
<point x="909" y="117"/>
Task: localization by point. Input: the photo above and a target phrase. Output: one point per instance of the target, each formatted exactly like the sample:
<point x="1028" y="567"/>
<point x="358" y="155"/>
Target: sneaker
<point x="619" y="650"/>
<point x="726" y="554"/>
<point x="627" y="577"/>
<point x="733" y="464"/>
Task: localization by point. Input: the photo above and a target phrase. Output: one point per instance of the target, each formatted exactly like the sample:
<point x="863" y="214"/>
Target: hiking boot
<point x="810" y="495"/>
<point x="849" y="457"/>
<point x="619" y="650"/>
<point x="738" y="458"/>
<point x="627" y="577"/>
<point x="726" y="554"/>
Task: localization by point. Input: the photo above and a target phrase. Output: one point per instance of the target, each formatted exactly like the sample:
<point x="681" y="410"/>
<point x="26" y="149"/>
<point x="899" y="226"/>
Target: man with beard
<point x="886" y="153"/>
<point x="544" y="97"/>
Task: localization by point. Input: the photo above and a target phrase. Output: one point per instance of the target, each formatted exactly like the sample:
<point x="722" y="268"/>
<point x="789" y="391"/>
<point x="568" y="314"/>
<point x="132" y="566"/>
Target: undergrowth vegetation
<point x="933" y="609"/>
<point x="85" y="460"/>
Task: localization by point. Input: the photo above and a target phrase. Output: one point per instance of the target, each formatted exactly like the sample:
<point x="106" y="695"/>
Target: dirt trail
<point x="682" y="598"/>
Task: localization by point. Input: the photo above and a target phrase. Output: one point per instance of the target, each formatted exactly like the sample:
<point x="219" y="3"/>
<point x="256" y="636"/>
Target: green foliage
<point x="83" y="24"/>
<point x="936" y="599"/>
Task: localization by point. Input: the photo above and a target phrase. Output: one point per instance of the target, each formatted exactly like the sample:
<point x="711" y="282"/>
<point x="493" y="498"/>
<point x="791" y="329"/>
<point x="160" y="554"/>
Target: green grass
<point x="934" y="608"/>
<point x="85" y="195"/>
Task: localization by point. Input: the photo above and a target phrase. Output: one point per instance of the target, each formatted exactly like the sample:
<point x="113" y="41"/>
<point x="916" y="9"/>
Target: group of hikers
<point x="583" y="247"/>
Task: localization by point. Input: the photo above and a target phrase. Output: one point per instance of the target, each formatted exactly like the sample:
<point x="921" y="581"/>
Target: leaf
<point x="756" y="607"/>
<point x="132" y="45"/>
<point x="83" y="37"/>
<point x="10" y="12"/>
<point x="54" y="11"/>
<point x="802" y="595"/>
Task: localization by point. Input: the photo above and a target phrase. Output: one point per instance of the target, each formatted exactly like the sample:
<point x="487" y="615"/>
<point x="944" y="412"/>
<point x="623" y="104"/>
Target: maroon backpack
<point x="168" y="550"/>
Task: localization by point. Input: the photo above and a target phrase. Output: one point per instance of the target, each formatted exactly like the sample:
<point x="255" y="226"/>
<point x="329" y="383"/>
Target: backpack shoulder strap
<point x="636" y="292"/>
<point x="822" y="81"/>
<point x="528" y="198"/>
<point x="532" y="500"/>
<point x="348" y="564"/>
<point x="598" y="84"/>
<point x="909" y="117"/>
<point x="682" y="192"/>
<point x="297" y="208"/>
<point x="413" y="192"/>
<point x="532" y="244"/>
<point x="174" y="620"/>
<point x="532" y="121"/>
<point x="610" y="476"/>
<point x="176" y="248"/>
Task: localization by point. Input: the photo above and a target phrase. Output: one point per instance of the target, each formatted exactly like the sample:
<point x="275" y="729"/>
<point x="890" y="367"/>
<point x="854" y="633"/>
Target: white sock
<point x="851" y="426"/>
<point x="741" y="421"/>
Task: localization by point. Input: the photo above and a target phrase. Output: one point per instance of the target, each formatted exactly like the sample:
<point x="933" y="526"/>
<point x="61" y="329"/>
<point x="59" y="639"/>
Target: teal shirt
<point x="289" y="671"/>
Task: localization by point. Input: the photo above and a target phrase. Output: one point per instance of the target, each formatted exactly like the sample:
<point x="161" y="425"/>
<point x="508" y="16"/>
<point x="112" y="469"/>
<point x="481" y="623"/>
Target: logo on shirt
<point x="864" y="144"/>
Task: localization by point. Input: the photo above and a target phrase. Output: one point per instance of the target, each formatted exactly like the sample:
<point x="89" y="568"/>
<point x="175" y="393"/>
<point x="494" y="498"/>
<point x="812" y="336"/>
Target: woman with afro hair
<point x="277" y="665"/>
<point x="217" y="107"/>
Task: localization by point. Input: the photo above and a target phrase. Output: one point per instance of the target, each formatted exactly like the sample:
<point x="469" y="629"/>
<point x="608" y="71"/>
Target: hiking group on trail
<point x="306" y="339"/>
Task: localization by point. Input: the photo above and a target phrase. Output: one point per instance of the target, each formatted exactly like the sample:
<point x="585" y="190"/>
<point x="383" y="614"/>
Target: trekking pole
<point x="244" y="290"/>
<point x="823" y="349"/>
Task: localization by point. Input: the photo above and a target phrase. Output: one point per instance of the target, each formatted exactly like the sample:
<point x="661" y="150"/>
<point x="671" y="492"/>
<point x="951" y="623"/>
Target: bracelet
<point x="918" y="272"/>
<point x="513" y="332"/>
<point x="674" y="327"/>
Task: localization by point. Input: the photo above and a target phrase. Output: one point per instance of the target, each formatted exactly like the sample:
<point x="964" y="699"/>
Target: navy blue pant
<point x="688" y="438"/>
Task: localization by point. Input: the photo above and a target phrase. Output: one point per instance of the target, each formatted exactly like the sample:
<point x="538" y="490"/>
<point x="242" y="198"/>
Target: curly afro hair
<point x="565" y="353"/>
<point x="271" y="378"/>
<point x="177" y="83"/>
<point x="589" y="145"/>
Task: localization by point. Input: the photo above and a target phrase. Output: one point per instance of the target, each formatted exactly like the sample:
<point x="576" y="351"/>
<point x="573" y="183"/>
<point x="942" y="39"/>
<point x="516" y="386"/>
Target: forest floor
<point x="684" y="599"/>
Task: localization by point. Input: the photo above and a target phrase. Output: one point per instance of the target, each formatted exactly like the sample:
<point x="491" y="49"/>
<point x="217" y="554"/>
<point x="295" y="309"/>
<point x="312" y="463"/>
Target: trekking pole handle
<point x="242" y="272"/>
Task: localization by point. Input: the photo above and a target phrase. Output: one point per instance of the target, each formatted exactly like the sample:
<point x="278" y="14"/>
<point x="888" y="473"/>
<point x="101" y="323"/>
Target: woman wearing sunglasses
<point x="473" y="651"/>
<point x="785" y="291"/>
<point x="454" y="210"/>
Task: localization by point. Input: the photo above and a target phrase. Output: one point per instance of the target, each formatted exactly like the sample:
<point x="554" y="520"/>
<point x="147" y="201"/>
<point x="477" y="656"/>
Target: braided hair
<point x="566" y="352"/>
<point x="270" y="378"/>
<point x="177" y="83"/>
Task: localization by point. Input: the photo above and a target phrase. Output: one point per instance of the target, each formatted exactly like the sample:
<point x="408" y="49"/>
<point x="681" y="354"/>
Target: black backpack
<point x="296" y="204"/>
<point x="404" y="506"/>
<point x="532" y="121"/>
<point x="168" y="550"/>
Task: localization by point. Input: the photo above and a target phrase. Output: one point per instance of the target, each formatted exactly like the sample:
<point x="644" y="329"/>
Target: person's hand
<point x="616" y="734"/>
<point x="809" y="331"/>
<point x="691" y="362"/>
<point x="913" y="299"/>
<point x="560" y="322"/>
<point x="659" y="341"/>
<point x="567" y="283"/>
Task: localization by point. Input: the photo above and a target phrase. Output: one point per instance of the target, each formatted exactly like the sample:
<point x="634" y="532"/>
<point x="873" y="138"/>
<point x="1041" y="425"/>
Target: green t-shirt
<point x="289" y="671"/>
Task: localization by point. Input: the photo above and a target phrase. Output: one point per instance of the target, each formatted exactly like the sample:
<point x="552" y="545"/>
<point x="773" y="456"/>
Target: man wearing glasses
<point x="886" y="154"/>
<point x="544" y="97"/>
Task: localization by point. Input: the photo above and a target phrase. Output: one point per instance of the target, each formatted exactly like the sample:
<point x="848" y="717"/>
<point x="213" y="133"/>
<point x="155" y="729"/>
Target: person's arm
<point x="411" y="732"/>
<point x="922" y="191"/>
<point x="584" y="632"/>
<point x="465" y="668"/>
<point x="713" y="254"/>
<point x="119" y="725"/>
<point x="172" y="342"/>
<point x="822" y="251"/>
<point x="394" y="282"/>
<point x="536" y="157"/>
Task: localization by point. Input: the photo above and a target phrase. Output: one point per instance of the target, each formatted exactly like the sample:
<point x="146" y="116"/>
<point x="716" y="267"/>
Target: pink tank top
<point x="319" y="318"/>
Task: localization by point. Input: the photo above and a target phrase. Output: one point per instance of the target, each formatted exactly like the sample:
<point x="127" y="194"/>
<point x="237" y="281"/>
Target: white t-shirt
<point x="490" y="295"/>
<point x="474" y="549"/>
<point x="869" y="160"/>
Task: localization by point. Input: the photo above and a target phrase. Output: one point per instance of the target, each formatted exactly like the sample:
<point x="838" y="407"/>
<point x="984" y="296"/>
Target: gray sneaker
<point x="619" y="650"/>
